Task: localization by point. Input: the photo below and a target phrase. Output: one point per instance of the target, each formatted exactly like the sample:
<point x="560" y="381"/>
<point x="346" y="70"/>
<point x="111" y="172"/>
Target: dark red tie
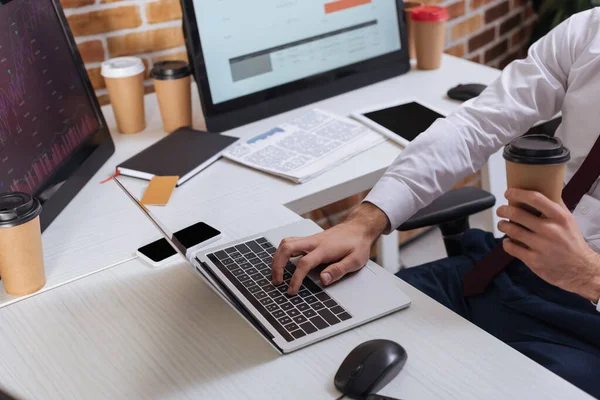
<point x="481" y="275"/>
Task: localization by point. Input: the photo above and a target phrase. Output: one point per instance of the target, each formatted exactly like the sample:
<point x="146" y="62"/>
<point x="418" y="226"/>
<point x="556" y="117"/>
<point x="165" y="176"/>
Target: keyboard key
<point x="263" y="282"/>
<point x="270" y="287"/>
<point x="304" y="293"/>
<point x="303" y="307"/>
<point x="283" y="288"/>
<point x="271" y="251"/>
<point x="310" y="299"/>
<point x="235" y="254"/>
<point x="227" y="261"/>
<point x="321" y="296"/>
<point x="293" y="313"/>
<point x="285" y="320"/>
<point x="237" y="272"/>
<point x="287" y="306"/>
<point x="243" y="278"/>
<point x="257" y="248"/>
<point x="310" y="285"/>
<point x="254" y="289"/>
<point x="328" y="316"/>
<point x="230" y="250"/>
<point x="287" y="276"/>
<point x="291" y="327"/>
<point x="308" y="327"/>
<point x="309" y="313"/>
<point x="245" y="265"/>
<point x="296" y="300"/>
<point x="257" y="276"/>
<point x="319" y="322"/>
<point x="280" y="300"/>
<point x="221" y="255"/>
<point x="279" y="313"/>
<point x="274" y="293"/>
<point x="266" y="301"/>
<point x="265" y="245"/>
<point x="291" y="268"/>
<point x="267" y="260"/>
<point x="261" y="254"/>
<point x="298" y="334"/>
<point x="260" y="295"/>
<point x="272" y="307"/>
<point x="337" y="310"/>
<point x="330" y="303"/>
<point x="300" y="319"/>
<point x="344" y="316"/>
<point x="262" y="240"/>
<point x="252" y="259"/>
<point x="317" y="306"/>
<point x="251" y="271"/>
<point x="242" y="248"/>
<point x="266" y="273"/>
<point x="248" y="283"/>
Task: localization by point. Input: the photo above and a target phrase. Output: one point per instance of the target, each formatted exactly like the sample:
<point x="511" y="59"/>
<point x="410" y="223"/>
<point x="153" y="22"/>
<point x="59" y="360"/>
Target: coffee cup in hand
<point x="21" y="257"/>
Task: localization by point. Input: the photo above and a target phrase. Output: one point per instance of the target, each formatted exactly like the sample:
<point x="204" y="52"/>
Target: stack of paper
<point x="306" y="146"/>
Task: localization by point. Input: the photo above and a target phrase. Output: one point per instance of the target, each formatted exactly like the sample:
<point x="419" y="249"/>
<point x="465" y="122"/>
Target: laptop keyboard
<point x="248" y="267"/>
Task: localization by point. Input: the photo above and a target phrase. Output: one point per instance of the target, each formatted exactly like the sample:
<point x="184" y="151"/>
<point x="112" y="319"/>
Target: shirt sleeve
<point x="528" y="91"/>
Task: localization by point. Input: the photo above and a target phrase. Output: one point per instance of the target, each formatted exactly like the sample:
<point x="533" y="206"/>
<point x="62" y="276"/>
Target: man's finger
<point x="303" y="267"/>
<point x="518" y="233"/>
<point x="289" y="248"/>
<point x="336" y="271"/>
<point x="541" y="203"/>
<point x="521" y="217"/>
<point x="516" y="250"/>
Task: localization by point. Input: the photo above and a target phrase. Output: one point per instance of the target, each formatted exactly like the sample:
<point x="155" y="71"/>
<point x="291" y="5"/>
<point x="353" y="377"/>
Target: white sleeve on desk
<point x="528" y="91"/>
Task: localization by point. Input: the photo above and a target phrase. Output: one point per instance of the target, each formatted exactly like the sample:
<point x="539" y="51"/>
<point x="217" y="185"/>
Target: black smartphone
<point x="160" y="251"/>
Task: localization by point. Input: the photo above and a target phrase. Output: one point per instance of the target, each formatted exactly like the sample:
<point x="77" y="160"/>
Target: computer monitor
<point x="53" y="136"/>
<point x="253" y="59"/>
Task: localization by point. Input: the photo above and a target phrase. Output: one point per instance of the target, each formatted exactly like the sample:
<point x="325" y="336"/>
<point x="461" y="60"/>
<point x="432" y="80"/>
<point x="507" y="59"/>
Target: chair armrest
<point x="454" y="205"/>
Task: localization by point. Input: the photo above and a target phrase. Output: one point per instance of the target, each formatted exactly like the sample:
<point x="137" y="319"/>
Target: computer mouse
<point x="466" y="92"/>
<point x="369" y="367"/>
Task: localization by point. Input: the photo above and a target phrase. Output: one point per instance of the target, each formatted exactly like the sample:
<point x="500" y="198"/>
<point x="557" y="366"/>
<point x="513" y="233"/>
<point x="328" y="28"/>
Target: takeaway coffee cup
<point x="124" y="77"/>
<point x="537" y="163"/>
<point x="21" y="259"/>
<point x="429" y="28"/>
<point x="408" y="6"/>
<point x="172" y="82"/>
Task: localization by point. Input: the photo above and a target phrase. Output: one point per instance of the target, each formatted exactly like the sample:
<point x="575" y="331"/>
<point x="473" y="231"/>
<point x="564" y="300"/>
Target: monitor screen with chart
<point x="50" y="122"/>
<point x="251" y="51"/>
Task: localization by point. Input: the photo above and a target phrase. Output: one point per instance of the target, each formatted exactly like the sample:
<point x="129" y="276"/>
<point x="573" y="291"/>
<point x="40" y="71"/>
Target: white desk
<point x="134" y="332"/>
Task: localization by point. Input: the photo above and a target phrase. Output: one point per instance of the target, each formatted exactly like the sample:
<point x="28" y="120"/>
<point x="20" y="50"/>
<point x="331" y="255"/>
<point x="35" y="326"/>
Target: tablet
<point x="401" y="123"/>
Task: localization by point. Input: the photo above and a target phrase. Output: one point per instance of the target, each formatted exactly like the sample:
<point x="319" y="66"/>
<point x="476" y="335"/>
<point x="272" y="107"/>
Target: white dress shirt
<point x="561" y="73"/>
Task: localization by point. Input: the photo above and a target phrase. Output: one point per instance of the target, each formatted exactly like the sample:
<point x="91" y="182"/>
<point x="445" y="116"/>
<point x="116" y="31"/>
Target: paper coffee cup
<point x="124" y="79"/>
<point x="21" y="257"/>
<point x="408" y="6"/>
<point x="172" y="82"/>
<point x="429" y="27"/>
<point x="537" y="163"/>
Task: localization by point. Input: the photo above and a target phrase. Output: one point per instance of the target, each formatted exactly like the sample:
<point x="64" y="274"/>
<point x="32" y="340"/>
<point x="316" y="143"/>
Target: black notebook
<point x="182" y="153"/>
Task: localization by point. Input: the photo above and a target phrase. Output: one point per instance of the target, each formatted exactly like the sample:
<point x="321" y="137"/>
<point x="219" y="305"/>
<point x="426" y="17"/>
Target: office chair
<point x="451" y="213"/>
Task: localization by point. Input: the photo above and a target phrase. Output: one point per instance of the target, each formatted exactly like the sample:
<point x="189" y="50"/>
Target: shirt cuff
<point x="395" y="199"/>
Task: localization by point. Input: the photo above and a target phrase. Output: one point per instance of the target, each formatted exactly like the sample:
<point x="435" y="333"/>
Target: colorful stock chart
<point x="45" y="113"/>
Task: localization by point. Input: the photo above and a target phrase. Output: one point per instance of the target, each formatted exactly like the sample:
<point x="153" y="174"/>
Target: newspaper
<point x="306" y="146"/>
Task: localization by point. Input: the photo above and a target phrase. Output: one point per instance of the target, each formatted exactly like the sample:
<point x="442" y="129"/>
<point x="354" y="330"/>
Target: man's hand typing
<point x="555" y="249"/>
<point x="347" y="246"/>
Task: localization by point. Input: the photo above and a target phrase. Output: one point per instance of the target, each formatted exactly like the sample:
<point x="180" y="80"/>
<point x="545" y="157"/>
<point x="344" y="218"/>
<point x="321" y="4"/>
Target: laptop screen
<point x="251" y="46"/>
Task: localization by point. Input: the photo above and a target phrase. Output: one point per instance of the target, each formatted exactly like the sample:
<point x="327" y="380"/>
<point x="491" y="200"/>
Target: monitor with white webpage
<point x="253" y="59"/>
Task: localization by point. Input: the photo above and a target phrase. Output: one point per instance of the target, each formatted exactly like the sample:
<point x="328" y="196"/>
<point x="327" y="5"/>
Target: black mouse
<point x="369" y="367"/>
<point x="466" y="92"/>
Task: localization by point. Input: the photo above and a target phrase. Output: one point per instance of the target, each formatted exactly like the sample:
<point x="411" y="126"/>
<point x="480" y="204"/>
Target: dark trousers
<point x="558" y="329"/>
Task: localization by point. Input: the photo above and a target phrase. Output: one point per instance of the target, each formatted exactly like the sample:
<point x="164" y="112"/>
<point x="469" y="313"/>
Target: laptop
<point x="240" y="273"/>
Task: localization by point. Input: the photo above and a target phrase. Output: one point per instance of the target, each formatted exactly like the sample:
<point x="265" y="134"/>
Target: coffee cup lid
<point x="170" y="69"/>
<point x="122" y="67"/>
<point x="17" y="208"/>
<point x="429" y="14"/>
<point x="537" y="149"/>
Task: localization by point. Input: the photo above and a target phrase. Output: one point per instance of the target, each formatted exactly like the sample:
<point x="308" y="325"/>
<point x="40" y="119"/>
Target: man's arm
<point x="528" y="91"/>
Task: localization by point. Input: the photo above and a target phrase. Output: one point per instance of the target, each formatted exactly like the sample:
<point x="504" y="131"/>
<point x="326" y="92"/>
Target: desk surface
<point x="130" y="331"/>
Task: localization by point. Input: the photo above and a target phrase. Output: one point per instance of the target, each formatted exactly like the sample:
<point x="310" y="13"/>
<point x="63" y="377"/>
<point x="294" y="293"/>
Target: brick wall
<point x="110" y="28"/>
<point x="493" y="32"/>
